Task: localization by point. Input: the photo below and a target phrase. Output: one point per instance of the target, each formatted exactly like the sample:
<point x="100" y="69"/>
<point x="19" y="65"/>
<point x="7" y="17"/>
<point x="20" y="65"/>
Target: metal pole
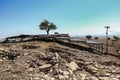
<point x="107" y="27"/>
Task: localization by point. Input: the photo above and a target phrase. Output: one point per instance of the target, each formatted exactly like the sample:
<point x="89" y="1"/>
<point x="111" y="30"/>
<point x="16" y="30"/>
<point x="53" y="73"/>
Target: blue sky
<point x="76" y="17"/>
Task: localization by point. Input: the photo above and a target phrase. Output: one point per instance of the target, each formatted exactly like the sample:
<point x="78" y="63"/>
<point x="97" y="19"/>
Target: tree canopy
<point x="96" y="38"/>
<point x="46" y="25"/>
<point x="88" y="37"/>
<point x="115" y="37"/>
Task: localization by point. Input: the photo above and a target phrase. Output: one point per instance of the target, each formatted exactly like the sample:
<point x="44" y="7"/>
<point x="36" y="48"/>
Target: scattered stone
<point x="99" y="66"/>
<point x="30" y="47"/>
<point x="82" y="76"/>
<point x="36" y="78"/>
<point x="93" y="78"/>
<point x="65" y="73"/>
<point x="30" y="70"/>
<point x="72" y="65"/>
<point x="118" y="76"/>
<point x="107" y="78"/>
<point x="1" y="60"/>
<point x="115" y="78"/>
<point x="45" y="67"/>
<point x="107" y="74"/>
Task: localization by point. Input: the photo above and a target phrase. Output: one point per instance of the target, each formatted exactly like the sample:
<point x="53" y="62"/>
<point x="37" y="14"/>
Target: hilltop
<point x="40" y="60"/>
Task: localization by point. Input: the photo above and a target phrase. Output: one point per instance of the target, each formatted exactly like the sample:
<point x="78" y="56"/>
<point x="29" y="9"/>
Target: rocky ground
<point x="53" y="61"/>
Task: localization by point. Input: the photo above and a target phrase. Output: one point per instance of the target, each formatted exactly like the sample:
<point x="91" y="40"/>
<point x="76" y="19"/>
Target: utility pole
<point x="107" y="27"/>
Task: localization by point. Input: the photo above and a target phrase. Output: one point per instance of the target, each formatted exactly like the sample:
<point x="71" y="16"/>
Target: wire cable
<point x="115" y="32"/>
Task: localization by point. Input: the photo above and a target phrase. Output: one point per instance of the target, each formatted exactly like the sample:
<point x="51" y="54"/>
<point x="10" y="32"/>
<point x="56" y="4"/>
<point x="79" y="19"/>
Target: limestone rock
<point x="45" y="66"/>
<point x="72" y="65"/>
<point x="65" y="73"/>
<point x="82" y="76"/>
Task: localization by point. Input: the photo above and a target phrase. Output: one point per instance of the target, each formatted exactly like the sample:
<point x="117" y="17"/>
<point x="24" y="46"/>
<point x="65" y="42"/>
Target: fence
<point x="95" y="46"/>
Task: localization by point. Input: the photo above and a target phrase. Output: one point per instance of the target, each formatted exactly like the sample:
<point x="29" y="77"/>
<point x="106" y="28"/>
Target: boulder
<point x="72" y="65"/>
<point x="115" y="78"/>
<point x="65" y="73"/>
<point x="105" y="78"/>
<point x="93" y="78"/>
<point x="30" y="70"/>
<point x="82" y="76"/>
<point x="45" y="66"/>
<point x="1" y="60"/>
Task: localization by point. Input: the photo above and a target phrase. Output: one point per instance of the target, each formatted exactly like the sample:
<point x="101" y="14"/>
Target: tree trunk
<point x="47" y="32"/>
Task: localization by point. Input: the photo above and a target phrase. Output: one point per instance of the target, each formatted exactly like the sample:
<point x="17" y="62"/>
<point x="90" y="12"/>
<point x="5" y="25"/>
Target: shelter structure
<point x="38" y="37"/>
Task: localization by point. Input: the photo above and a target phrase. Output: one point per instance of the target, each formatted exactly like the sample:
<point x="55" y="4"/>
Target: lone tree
<point x="88" y="37"/>
<point x="96" y="38"/>
<point x="46" y="25"/>
<point x="108" y="38"/>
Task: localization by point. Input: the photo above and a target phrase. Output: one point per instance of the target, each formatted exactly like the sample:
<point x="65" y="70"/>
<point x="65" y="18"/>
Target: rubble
<point x="72" y="65"/>
<point x="45" y="67"/>
<point x="30" y="47"/>
<point x="20" y="61"/>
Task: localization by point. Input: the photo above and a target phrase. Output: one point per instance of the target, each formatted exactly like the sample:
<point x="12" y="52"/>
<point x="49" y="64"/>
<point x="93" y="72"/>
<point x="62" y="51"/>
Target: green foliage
<point x="46" y="25"/>
<point x="108" y="38"/>
<point x="96" y="38"/>
<point x="115" y="37"/>
<point x="88" y="37"/>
